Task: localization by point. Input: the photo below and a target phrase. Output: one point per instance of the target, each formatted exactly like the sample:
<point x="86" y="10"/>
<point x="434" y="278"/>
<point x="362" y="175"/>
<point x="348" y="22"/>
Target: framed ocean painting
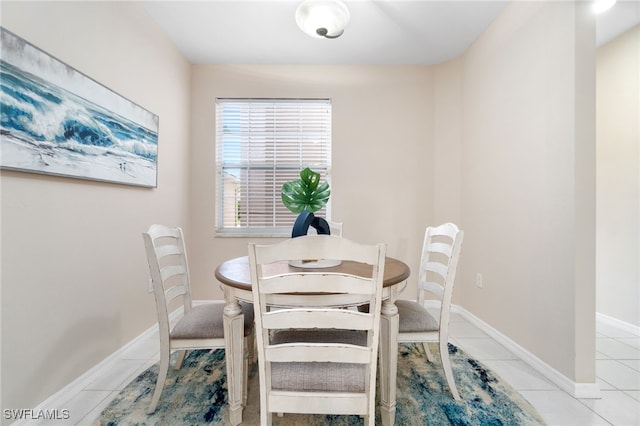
<point x="56" y="120"/>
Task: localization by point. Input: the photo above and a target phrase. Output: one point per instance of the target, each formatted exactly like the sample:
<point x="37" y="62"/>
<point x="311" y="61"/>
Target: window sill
<point x="253" y="233"/>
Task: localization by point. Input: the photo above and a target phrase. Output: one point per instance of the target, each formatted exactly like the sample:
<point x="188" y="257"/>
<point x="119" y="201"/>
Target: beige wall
<point x="447" y="141"/>
<point x="618" y="177"/>
<point x="74" y="274"/>
<point x="500" y="140"/>
<point x="487" y="140"/>
<point x="526" y="188"/>
<point x="382" y="153"/>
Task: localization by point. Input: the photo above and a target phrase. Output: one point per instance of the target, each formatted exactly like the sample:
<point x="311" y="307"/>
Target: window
<point x="261" y="144"/>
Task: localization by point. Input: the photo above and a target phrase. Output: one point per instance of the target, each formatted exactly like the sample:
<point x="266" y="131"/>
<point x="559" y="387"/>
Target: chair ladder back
<point x="171" y="253"/>
<point x="449" y="284"/>
<point x="167" y="258"/>
<point x="288" y="288"/>
<point x="158" y="288"/>
<point x="435" y="266"/>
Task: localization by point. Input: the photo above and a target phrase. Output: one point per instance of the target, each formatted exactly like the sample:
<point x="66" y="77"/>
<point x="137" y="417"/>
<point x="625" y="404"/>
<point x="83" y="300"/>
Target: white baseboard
<point x="618" y="324"/>
<point x="60" y="398"/>
<point x="577" y="390"/>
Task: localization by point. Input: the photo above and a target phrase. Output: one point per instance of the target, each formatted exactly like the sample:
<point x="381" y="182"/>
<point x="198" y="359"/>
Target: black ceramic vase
<point x="307" y="219"/>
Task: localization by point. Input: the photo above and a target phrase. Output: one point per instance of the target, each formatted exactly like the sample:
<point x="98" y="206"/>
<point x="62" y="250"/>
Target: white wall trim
<point x="618" y="324"/>
<point x="575" y="389"/>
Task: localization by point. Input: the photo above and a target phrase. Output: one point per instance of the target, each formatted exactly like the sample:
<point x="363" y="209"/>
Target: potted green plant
<point x="305" y="196"/>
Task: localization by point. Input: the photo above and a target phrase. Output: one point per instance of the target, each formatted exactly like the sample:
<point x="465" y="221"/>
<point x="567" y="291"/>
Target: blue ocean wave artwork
<point x="46" y="128"/>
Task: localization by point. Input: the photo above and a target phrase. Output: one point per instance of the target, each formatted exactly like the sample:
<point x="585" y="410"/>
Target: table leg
<point x="389" y="321"/>
<point x="233" y="320"/>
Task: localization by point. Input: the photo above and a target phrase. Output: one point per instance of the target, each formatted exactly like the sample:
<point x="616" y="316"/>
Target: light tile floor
<point x="617" y="368"/>
<point x="617" y="371"/>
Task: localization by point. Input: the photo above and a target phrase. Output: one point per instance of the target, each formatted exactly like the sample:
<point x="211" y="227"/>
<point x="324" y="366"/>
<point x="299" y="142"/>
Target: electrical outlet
<point x="150" y="286"/>
<point x="479" y="280"/>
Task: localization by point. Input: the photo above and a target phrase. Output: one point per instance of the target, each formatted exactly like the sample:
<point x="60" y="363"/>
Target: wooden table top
<point x="235" y="272"/>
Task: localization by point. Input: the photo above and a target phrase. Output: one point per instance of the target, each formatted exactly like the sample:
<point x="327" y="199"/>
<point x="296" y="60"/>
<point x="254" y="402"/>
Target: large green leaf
<point x="310" y="179"/>
<point x="305" y="193"/>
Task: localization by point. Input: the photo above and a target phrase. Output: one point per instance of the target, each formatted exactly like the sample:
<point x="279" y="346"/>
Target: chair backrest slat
<point x="173" y="292"/>
<point x="168" y="272"/>
<point x="317" y="282"/>
<point x="316" y="318"/>
<point x="324" y="247"/>
<point x="313" y="352"/>
<point x="168" y="250"/>
<point x="433" y="287"/>
<point x="436" y="268"/>
<point x="442" y="248"/>
<point x="311" y="300"/>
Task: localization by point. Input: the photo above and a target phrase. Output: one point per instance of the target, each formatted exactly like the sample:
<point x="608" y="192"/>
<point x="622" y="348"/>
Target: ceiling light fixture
<point x="600" y="6"/>
<point x="322" y="18"/>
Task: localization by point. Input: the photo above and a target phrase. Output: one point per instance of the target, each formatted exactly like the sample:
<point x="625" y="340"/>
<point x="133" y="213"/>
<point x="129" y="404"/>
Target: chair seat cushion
<point x="414" y="317"/>
<point x="205" y="322"/>
<point x="319" y="376"/>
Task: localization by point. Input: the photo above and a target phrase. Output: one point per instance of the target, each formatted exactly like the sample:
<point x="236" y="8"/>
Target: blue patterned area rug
<point x="197" y="395"/>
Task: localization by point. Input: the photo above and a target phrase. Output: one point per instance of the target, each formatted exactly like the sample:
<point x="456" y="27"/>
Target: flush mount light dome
<point x="322" y="18"/>
<point x="600" y="6"/>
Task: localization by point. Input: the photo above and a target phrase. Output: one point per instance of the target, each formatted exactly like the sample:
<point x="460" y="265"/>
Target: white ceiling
<point x="380" y="31"/>
<point x="625" y="14"/>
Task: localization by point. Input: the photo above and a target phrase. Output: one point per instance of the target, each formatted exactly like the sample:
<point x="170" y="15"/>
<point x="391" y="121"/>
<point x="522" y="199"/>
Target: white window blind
<point x="261" y="144"/>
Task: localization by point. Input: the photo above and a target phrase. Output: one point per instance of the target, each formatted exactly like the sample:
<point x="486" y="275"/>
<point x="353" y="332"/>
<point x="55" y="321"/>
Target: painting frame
<point x="56" y="120"/>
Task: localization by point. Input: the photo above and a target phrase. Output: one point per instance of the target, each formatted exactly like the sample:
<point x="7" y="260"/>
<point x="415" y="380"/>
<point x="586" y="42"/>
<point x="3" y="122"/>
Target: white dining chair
<point x="336" y="228"/>
<point x="200" y="326"/>
<point x="314" y="356"/>
<point x="440" y="254"/>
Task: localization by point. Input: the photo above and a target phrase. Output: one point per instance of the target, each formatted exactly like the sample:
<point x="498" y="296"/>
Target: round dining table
<point x="235" y="280"/>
